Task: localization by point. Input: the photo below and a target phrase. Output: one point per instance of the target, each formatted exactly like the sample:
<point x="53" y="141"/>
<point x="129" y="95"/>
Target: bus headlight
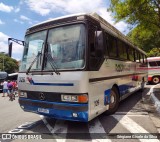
<point x="75" y="98"/>
<point x="23" y="94"/>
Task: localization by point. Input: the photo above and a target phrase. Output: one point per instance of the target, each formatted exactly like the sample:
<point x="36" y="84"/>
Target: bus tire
<point x="155" y="80"/>
<point x="114" y="101"/>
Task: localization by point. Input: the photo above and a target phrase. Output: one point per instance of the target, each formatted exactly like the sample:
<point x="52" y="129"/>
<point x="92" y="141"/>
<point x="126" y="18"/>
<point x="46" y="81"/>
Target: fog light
<point x="23" y="94"/>
<point x="75" y="115"/>
<point x="22" y="107"/>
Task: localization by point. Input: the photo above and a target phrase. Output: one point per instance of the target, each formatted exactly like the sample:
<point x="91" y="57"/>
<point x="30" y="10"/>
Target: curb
<point x="154" y="98"/>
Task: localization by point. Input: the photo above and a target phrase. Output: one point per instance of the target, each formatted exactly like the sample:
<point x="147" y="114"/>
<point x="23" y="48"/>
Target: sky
<point x="18" y="15"/>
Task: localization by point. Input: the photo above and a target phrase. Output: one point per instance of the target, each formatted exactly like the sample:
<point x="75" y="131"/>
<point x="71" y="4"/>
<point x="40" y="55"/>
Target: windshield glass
<point x="34" y="44"/>
<point x="66" y="46"/>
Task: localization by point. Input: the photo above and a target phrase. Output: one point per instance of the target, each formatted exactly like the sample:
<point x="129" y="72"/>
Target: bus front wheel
<point x="114" y="101"/>
<point x="155" y="80"/>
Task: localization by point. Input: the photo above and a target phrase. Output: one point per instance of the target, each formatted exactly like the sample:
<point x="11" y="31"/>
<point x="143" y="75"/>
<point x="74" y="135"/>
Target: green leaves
<point x="144" y="17"/>
<point x="8" y="64"/>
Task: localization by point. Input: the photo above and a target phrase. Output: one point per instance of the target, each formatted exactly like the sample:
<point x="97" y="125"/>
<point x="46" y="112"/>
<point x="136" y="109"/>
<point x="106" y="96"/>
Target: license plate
<point x="43" y="110"/>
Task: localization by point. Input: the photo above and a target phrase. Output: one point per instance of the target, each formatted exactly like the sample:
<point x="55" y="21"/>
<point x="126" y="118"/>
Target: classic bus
<point x="77" y="67"/>
<point x="154" y="70"/>
<point x="3" y="76"/>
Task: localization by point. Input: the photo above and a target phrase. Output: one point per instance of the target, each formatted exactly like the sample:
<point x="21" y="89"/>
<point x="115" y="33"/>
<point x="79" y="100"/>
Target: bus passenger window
<point x="122" y="51"/>
<point x="158" y="63"/>
<point x="152" y="64"/>
<point x="131" y="53"/>
<point x="106" y="45"/>
<point x="112" y="47"/>
<point x="142" y="58"/>
<point x="145" y="60"/>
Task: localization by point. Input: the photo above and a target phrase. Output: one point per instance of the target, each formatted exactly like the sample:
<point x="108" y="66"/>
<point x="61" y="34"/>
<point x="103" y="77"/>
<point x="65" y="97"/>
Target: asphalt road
<point x="135" y="120"/>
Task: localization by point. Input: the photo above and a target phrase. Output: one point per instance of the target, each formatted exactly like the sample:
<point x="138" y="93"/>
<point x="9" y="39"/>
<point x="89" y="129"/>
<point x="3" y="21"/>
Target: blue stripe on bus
<point x="123" y="89"/>
<point x="60" y="114"/>
<point x="52" y="84"/>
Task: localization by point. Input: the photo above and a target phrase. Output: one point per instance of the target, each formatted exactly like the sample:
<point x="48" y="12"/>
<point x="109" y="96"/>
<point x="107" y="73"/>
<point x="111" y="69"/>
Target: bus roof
<point x="13" y="74"/>
<point x="104" y="24"/>
<point x="61" y="17"/>
<point x="153" y="58"/>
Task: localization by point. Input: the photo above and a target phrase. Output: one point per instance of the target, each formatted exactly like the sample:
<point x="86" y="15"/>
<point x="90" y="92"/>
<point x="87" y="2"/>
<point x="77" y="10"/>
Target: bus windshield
<point x="65" y="46"/>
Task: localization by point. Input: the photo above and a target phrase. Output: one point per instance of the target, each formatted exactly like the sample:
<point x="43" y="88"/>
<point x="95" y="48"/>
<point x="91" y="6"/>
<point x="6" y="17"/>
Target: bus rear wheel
<point x="155" y="80"/>
<point x="114" y="101"/>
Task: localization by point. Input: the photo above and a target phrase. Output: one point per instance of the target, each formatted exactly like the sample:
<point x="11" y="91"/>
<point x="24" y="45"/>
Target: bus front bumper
<point x="65" y="111"/>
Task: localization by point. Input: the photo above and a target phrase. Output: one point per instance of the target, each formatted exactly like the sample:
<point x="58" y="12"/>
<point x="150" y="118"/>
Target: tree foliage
<point x="146" y="12"/>
<point x="154" y="52"/>
<point x="145" y="38"/>
<point x="144" y="17"/>
<point x="8" y="64"/>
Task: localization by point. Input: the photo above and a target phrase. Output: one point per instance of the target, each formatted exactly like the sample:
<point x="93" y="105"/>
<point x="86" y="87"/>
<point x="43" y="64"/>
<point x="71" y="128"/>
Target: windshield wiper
<point x="52" y="63"/>
<point x="39" y="53"/>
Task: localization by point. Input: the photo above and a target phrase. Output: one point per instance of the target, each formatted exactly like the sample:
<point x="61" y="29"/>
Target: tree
<point x="154" y="52"/>
<point x="8" y="64"/>
<point x="137" y="12"/>
<point x="145" y="38"/>
<point x="144" y="17"/>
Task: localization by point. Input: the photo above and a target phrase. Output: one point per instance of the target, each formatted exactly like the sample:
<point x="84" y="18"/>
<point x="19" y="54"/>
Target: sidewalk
<point x="155" y="96"/>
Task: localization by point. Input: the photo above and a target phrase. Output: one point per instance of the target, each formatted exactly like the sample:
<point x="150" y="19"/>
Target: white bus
<point x="154" y="70"/>
<point x="77" y="67"/>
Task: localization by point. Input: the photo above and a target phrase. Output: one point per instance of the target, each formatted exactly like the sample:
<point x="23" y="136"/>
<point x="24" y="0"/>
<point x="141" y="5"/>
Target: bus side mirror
<point x="10" y="44"/>
<point x="99" y="43"/>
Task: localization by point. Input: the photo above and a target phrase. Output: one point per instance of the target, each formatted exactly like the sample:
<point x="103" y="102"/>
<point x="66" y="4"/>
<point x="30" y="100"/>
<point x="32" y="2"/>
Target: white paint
<point x="133" y="127"/>
<point x="152" y="89"/>
<point x="22" y="127"/>
<point x="59" y="125"/>
<point x="16" y="131"/>
<point x="96" y="127"/>
<point x="26" y="125"/>
<point x="132" y="113"/>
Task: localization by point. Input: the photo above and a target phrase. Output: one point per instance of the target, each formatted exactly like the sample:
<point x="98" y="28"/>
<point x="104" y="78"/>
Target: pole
<point x="3" y="62"/>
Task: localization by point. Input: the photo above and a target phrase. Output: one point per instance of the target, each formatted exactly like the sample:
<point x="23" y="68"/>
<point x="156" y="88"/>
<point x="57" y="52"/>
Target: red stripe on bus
<point x="149" y="78"/>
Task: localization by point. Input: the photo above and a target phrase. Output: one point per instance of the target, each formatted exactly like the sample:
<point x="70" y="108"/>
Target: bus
<point x="154" y="70"/>
<point x="3" y="76"/>
<point x="77" y="67"/>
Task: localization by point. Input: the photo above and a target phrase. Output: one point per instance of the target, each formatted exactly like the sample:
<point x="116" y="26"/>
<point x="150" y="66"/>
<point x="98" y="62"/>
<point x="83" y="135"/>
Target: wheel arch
<point x="116" y="86"/>
<point x="155" y="77"/>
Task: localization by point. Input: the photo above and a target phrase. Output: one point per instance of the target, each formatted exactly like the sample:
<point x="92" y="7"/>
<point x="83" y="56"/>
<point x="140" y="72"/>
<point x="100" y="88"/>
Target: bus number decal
<point x="96" y="102"/>
<point x="21" y="79"/>
<point x="121" y="67"/>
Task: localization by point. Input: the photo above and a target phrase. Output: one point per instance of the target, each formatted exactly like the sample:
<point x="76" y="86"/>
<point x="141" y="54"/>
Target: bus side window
<point x="112" y="48"/>
<point x="106" y="45"/>
<point x="122" y="50"/>
<point x="145" y="60"/>
<point x="94" y="59"/>
<point x="158" y="63"/>
<point x="153" y="64"/>
<point x="143" y="57"/>
<point x="131" y="53"/>
<point x="139" y="56"/>
<point x="91" y="39"/>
